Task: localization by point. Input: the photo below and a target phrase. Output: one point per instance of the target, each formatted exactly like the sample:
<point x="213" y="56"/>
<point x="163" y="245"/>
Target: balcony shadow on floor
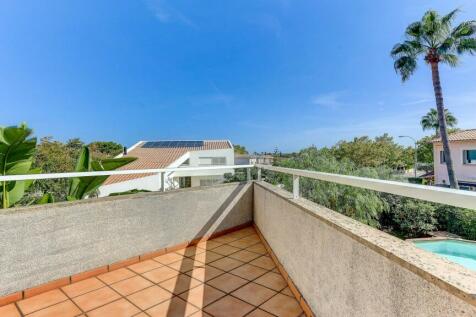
<point x="178" y="308"/>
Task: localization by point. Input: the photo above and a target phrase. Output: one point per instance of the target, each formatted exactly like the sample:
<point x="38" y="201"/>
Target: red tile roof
<point x="149" y="158"/>
<point x="462" y="135"/>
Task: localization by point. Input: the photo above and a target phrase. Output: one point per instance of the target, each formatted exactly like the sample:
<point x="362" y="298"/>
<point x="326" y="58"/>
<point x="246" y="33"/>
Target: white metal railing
<point x="160" y="171"/>
<point x="119" y="172"/>
<point x="447" y="196"/>
<point x="457" y="198"/>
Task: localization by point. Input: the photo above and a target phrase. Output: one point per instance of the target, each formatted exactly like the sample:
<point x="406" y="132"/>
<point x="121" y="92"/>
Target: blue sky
<point x="264" y="74"/>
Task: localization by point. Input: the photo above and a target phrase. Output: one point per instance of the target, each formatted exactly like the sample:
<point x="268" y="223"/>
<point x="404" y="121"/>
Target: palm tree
<point x="430" y="121"/>
<point x="437" y="41"/>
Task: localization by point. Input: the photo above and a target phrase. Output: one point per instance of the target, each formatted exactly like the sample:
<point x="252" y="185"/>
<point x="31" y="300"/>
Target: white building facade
<point x="172" y="154"/>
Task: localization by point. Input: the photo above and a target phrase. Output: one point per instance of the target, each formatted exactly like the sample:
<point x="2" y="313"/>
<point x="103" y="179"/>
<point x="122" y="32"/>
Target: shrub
<point x="414" y="218"/>
<point x="444" y="214"/>
<point x="462" y="222"/>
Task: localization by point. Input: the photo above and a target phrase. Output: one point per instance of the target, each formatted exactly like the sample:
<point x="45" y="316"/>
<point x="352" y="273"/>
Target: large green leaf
<point x="82" y="187"/>
<point x="19" y="187"/>
<point x="16" y="156"/>
<point x="82" y="165"/>
<point x="111" y="164"/>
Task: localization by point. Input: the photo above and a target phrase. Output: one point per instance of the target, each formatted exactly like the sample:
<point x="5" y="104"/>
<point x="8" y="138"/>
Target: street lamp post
<point x="416" y="157"/>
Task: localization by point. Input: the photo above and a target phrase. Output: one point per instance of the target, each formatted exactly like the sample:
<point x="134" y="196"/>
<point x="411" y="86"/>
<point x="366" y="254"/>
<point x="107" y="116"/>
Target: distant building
<point x="169" y="154"/>
<point x="463" y="153"/>
<point x="245" y="159"/>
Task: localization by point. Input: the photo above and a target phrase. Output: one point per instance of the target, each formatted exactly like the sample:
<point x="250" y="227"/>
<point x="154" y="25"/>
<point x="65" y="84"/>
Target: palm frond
<point x="430" y="24"/>
<point x="447" y="46"/>
<point x="407" y="48"/>
<point x="414" y="30"/>
<point x="405" y="66"/>
<point x="467" y="45"/>
<point x="450" y="59"/>
<point x="464" y="29"/>
<point x="447" y="19"/>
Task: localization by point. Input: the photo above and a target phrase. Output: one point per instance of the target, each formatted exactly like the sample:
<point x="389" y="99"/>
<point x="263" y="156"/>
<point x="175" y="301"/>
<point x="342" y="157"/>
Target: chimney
<point x="124" y="151"/>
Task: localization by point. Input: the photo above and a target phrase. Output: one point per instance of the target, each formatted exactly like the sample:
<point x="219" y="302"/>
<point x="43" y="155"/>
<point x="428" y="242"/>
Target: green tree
<point x="75" y="144"/>
<point x="361" y="204"/>
<point x="434" y="38"/>
<point x="367" y="152"/>
<point x="425" y="150"/>
<point x="240" y="149"/>
<point x="430" y="121"/>
<point x="17" y="148"/>
<point x="52" y="157"/>
<point x="105" y="149"/>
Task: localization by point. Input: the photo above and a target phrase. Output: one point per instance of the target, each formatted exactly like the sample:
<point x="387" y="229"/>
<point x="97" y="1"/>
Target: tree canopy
<point x="105" y="149"/>
<point x="380" y="151"/>
<point x="240" y="149"/>
<point x="430" y="121"/>
<point x="435" y="39"/>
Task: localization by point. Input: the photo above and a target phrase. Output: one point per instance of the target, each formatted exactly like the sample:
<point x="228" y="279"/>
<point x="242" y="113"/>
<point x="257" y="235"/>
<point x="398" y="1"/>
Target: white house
<point x="463" y="153"/>
<point x="245" y="159"/>
<point x="169" y="154"/>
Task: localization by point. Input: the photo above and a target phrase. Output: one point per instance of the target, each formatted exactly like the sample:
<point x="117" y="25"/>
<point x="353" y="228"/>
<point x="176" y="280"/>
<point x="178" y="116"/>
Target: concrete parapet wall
<point x="345" y="268"/>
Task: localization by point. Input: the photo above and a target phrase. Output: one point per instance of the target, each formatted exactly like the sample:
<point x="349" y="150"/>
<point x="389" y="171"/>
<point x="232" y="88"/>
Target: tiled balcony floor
<point x="231" y="275"/>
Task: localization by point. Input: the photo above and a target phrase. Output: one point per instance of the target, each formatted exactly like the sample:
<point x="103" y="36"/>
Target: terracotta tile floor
<point x="231" y="275"/>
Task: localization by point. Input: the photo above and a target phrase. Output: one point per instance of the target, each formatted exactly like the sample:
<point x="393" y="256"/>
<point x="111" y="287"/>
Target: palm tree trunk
<point x="435" y="73"/>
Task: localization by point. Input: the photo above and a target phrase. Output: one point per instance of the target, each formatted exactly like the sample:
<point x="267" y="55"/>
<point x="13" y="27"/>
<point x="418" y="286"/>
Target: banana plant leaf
<point x="16" y="158"/>
<point x="82" y="165"/>
<point x="81" y="187"/>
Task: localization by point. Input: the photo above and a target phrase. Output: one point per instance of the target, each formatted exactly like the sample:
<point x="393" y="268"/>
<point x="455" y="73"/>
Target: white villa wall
<point x="464" y="172"/>
<point x="152" y="183"/>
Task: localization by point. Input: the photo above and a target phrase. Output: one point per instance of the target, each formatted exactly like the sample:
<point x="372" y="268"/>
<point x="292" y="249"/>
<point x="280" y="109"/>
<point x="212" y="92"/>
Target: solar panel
<point x="171" y="144"/>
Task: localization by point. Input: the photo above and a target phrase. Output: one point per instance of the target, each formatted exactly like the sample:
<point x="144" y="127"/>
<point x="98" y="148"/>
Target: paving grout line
<point x="18" y="308"/>
<point x="122" y="296"/>
<point x="74" y="303"/>
<point x="34" y="311"/>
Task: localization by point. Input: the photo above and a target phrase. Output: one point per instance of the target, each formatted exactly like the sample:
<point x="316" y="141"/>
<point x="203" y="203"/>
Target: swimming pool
<point x="461" y="252"/>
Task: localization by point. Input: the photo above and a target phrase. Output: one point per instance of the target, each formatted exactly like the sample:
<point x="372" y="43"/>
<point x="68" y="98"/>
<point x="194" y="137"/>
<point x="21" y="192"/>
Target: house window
<point x="210" y="161"/>
<point x="442" y="157"/>
<point x="185" y="182"/>
<point x="469" y="156"/>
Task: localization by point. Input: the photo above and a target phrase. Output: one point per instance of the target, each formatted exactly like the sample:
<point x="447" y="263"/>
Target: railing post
<point x="248" y="174"/>
<point x="295" y="186"/>
<point x="162" y="182"/>
<point x="259" y="174"/>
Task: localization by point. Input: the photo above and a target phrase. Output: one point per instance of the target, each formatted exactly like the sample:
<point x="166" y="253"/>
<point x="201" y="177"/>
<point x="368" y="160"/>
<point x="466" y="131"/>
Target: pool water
<point x="461" y="252"/>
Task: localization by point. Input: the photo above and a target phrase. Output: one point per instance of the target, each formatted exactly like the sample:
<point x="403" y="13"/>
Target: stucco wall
<point x="44" y="243"/>
<point x="464" y="172"/>
<point x="345" y="268"/>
